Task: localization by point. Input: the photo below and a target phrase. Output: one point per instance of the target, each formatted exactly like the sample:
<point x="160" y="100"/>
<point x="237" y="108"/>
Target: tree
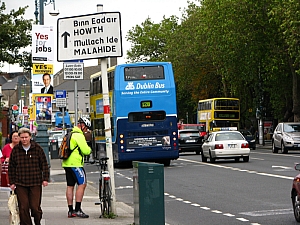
<point x="15" y="34"/>
<point x="149" y="40"/>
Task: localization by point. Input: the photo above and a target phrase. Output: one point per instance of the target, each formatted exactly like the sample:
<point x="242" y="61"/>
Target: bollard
<point x="148" y="193"/>
<point x="42" y="138"/>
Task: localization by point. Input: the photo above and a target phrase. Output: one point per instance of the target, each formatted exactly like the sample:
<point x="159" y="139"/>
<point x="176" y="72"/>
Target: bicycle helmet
<point x="86" y="122"/>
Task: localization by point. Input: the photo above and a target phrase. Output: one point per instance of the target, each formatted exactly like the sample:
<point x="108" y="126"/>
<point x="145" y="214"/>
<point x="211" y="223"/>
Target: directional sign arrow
<point x="65" y="35"/>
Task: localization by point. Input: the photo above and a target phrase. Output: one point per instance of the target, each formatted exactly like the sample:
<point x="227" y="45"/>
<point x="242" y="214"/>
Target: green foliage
<point x="15" y="33"/>
<point x="233" y="48"/>
<point x="110" y="216"/>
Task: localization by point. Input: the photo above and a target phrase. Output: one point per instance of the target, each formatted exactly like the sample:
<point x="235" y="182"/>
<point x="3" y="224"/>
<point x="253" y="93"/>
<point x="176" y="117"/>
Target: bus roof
<point x="211" y="99"/>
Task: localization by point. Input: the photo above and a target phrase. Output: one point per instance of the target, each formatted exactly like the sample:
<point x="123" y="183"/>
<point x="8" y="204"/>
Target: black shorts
<point x="75" y="175"/>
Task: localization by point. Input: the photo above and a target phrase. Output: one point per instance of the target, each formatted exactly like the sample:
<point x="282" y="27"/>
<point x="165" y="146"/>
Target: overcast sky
<point x="133" y="12"/>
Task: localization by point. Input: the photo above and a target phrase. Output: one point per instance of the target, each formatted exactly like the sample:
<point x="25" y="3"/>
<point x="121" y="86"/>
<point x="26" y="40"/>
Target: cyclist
<point x="73" y="166"/>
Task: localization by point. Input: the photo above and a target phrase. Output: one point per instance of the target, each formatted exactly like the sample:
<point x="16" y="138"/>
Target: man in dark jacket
<point x="28" y="170"/>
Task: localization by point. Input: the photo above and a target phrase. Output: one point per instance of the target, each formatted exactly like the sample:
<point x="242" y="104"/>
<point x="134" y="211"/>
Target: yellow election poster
<point x="42" y="78"/>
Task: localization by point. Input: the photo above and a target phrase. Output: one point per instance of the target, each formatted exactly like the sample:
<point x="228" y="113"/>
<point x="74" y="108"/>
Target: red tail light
<point x="245" y="145"/>
<point x="202" y="134"/>
<point x="219" y="146"/>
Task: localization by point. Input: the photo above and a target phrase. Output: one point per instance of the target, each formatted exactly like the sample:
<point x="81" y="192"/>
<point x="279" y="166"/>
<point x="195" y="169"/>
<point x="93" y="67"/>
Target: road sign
<point x="89" y="36"/>
<point x="61" y="100"/>
<point x="73" y="71"/>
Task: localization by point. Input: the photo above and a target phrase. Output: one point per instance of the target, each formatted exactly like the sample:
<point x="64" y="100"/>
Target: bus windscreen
<point x="144" y="73"/>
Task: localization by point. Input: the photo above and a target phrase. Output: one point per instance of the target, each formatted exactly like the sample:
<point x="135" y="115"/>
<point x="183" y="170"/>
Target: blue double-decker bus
<point x="143" y="112"/>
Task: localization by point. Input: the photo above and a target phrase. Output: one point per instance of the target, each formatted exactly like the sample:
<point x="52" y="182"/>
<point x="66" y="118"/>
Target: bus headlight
<point x="121" y="135"/>
<point x="122" y="141"/>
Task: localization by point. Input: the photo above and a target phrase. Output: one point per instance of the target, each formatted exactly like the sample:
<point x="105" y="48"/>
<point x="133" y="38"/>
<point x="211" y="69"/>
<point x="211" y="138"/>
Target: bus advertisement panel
<point x="143" y="112"/>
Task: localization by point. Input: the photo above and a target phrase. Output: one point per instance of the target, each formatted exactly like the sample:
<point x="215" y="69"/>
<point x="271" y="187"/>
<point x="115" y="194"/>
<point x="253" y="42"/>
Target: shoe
<point x="71" y="214"/>
<point x="80" y="214"/>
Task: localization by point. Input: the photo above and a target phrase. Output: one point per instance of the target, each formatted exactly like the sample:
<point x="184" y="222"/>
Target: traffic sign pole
<point x="107" y="125"/>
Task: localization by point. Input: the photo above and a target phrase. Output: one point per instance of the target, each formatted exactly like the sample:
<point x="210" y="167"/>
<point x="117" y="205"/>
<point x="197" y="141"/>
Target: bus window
<point x="144" y="73"/>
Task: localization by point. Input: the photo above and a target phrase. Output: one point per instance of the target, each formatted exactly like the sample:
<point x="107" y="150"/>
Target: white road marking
<point x="242" y="219"/>
<point x="268" y="212"/>
<point x="238" y="169"/>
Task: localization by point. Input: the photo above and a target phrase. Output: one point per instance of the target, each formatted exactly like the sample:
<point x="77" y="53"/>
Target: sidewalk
<point x="55" y="208"/>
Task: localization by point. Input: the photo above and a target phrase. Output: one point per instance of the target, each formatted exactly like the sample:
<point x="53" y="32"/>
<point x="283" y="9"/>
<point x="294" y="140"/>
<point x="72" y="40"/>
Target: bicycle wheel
<point x="106" y="203"/>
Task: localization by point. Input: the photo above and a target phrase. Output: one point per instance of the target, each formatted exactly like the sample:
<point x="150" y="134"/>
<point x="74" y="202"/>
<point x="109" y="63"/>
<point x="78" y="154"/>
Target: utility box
<point x="42" y="138"/>
<point x="148" y="193"/>
<point x="54" y="150"/>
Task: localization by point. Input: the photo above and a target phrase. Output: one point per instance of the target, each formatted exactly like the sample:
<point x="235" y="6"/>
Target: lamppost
<point x="39" y="9"/>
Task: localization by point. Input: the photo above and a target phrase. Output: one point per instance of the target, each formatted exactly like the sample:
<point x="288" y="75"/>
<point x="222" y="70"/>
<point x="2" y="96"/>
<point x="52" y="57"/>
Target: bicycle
<point x="104" y="189"/>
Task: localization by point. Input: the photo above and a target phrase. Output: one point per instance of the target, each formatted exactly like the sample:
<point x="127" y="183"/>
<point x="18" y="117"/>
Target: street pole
<point x="107" y="124"/>
<point x="42" y="12"/>
<point x="75" y="102"/>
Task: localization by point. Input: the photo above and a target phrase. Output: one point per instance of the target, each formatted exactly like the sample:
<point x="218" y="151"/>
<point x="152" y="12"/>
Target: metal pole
<point x="75" y="101"/>
<point x="42" y="12"/>
<point x="107" y="124"/>
<point x="63" y="120"/>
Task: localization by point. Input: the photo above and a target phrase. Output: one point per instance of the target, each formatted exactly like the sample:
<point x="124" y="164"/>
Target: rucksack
<point x="65" y="147"/>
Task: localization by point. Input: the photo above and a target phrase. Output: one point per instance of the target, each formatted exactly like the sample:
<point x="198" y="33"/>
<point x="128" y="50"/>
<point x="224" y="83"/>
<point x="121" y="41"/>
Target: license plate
<point x="190" y="140"/>
<point x="231" y="145"/>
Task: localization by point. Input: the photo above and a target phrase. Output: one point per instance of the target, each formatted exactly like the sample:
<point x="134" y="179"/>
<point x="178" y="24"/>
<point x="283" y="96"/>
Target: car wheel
<point x="204" y="159"/>
<point x="283" y="149"/>
<point x="296" y="206"/>
<point x="246" y="158"/>
<point x="253" y="148"/>
<point x="237" y="159"/>
<point x="198" y="152"/>
<point x="211" y="159"/>
<point x="274" y="149"/>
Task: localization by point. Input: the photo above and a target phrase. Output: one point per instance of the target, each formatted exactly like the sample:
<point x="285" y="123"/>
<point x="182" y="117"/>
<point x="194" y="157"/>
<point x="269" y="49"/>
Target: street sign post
<point x="89" y="36"/>
<point x="60" y="96"/>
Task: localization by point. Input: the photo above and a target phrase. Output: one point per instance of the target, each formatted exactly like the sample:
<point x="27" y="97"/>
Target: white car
<point x="224" y="145"/>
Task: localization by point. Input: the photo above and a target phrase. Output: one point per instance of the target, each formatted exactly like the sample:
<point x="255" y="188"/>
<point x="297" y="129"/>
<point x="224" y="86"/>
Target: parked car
<point x="189" y="140"/>
<point x="225" y="145"/>
<point x="55" y="136"/>
<point x="58" y="138"/>
<point x="295" y="194"/>
<point x="250" y="138"/>
<point x="286" y="137"/>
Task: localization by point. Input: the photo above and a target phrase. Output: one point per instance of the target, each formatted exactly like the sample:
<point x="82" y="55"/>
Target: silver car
<point x="286" y="137"/>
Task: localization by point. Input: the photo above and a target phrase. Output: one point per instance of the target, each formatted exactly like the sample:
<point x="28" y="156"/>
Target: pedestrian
<point x="9" y="146"/>
<point x="0" y="168"/>
<point x="89" y="138"/>
<point x="7" y="139"/>
<point x="73" y="167"/>
<point x="28" y="170"/>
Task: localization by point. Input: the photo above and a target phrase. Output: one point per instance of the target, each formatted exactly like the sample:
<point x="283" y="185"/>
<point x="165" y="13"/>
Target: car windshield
<point x="291" y="128"/>
<point x="189" y="134"/>
<point x="246" y="133"/>
<point x="228" y="136"/>
<point x="56" y="136"/>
